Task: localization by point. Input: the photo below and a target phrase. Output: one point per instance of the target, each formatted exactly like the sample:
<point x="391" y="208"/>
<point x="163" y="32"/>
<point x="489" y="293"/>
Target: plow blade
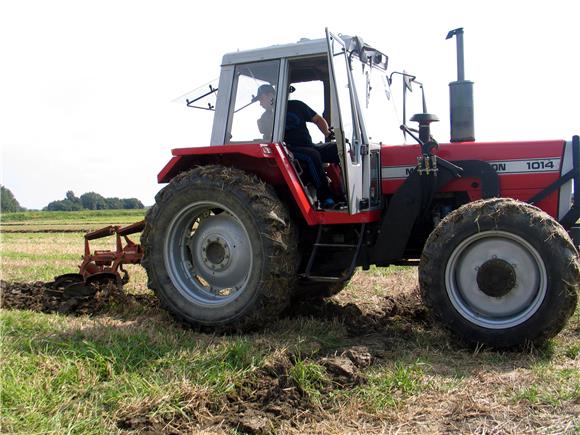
<point x="79" y="290"/>
<point x="62" y="281"/>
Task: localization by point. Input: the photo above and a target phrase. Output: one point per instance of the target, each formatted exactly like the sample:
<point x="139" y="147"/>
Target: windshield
<point x="376" y="103"/>
<point x="249" y="121"/>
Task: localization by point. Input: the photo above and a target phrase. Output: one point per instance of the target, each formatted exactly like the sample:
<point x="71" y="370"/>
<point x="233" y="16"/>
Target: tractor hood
<point x="524" y="168"/>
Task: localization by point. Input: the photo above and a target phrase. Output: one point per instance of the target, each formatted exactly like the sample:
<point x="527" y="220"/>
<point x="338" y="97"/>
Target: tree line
<point x="87" y="201"/>
<point x="92" y="201"/>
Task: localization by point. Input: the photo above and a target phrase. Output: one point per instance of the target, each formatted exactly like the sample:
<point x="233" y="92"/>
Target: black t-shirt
<point x="297" y="115"/>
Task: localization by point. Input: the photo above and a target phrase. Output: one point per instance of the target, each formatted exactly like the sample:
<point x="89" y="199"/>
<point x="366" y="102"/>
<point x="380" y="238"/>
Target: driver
<point x="298" y="139"/>
<point x="266" y="96"/>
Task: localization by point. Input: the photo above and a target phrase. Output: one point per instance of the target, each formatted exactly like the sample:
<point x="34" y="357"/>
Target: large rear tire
<point x="500" y="272"/>
<point x="219" y="249"/>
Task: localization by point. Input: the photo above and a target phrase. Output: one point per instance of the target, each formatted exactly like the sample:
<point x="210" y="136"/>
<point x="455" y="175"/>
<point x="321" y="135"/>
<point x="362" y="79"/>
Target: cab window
<point x="308" y="79"/>
<point x="245" y="109"/>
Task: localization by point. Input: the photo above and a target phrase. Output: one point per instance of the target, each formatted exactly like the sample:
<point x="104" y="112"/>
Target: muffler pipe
<point x="461" y="97"/>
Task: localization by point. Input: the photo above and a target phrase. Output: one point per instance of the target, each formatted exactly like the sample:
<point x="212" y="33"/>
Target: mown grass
<point x="61" y="374"/>
<point x="30" y="217"/>
<point x="70" y="221"/>
<point x="67" y="374"/>
<point x="134" y="363"/>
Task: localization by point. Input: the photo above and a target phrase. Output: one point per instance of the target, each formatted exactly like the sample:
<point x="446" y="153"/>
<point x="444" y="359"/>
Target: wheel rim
<point x="496" y="279"/>
<point x="208" y="254"/>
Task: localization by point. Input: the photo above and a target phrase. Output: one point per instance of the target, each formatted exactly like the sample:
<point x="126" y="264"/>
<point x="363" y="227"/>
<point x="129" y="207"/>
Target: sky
<point x="88" y="88"/>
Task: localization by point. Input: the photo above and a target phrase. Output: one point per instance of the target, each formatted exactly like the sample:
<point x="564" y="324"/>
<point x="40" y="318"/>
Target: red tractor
<point x="238" y="231"/>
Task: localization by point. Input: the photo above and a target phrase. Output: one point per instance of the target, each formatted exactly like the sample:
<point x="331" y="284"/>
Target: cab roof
<point x="303" y="47"/>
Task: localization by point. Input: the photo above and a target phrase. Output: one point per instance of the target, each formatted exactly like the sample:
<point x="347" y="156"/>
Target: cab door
<point x="346" y="119"/>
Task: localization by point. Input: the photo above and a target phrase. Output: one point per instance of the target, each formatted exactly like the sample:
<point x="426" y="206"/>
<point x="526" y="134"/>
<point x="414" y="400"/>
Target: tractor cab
<point x="339" y="77"/>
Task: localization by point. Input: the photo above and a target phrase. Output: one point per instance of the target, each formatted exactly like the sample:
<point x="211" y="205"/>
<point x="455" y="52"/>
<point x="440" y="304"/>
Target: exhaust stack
<point x="461" y="97"/>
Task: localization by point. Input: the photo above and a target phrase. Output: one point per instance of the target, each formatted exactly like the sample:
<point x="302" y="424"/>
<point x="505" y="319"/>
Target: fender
<point x="270" y="163"/>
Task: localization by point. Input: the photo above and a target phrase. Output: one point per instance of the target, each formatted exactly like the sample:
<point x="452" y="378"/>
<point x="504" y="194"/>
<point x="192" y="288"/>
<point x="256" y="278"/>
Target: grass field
<point x="57" y="221"/>
<point x="368" y="360"/>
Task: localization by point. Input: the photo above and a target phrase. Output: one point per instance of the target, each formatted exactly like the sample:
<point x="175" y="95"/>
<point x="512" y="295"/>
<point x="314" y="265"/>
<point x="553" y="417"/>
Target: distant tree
<point x="56" y="206"/>
<point x="114" y="203"/>
<point x="70" y="195"/>
<point x="8" y="202"/>
<point x="132" y="203"/>
<point x="93" y="201"/>
<point x="64" y="205"/>
<point x="69" y="203"/>
<point x="90" y="201"/>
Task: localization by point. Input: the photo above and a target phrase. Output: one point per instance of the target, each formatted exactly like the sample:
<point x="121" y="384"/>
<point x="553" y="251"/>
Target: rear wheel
<point x="219" y="249"/>
<point x="500" y="272"/>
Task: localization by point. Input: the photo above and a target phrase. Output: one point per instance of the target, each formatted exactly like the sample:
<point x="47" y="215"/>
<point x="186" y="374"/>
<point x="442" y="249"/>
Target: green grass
<point x="310" y="377"/>
<point x="82" y="221"/>
<point x="61" y="375"/>
<point x="573" y="351"/>
<point x="46" y="257"/>
<point x="67" y="374"/>
<point x="553" y="388"/>
<point x="80" y="375"/>
<point x="389" y="386"/>
<point x="386" y="271"/>
<point x="72" y="216"/>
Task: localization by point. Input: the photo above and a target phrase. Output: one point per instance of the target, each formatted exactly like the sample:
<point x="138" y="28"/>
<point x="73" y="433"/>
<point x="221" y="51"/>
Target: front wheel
<point x="500" y="272"/>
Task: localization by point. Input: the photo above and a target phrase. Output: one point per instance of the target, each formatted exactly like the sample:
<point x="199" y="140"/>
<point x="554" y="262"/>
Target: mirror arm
<point x="189" y="103"/>
<point x="411" y="133"/>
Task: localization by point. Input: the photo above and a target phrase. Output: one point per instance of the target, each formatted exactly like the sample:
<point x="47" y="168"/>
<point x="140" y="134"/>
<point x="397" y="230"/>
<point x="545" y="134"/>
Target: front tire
<point x="219" y="249"/>
<point x="500" y="272"/>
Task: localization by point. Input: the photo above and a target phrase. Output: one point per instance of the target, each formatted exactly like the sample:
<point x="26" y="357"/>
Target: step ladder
<point x="318" y="245"/>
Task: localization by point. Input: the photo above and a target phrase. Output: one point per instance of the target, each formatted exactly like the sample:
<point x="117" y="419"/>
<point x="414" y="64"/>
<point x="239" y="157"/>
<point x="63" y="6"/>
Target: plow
<point x="100" y="266"/>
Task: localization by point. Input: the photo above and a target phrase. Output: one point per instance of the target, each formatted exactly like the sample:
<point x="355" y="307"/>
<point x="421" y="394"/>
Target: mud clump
<point x="342" y="369"/>
<point x="47" y="298"/>
<point x="359" y="355"/>
<point x="271" y="396"/>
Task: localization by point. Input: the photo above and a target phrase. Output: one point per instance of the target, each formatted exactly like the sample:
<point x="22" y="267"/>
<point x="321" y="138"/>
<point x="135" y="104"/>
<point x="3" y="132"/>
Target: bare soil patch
<point x="404" y="308"/>
<point x="44" y="297"/>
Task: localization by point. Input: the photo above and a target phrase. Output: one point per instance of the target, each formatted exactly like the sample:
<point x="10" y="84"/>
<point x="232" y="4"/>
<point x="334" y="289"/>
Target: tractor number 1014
<point x="538" y="165"/>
